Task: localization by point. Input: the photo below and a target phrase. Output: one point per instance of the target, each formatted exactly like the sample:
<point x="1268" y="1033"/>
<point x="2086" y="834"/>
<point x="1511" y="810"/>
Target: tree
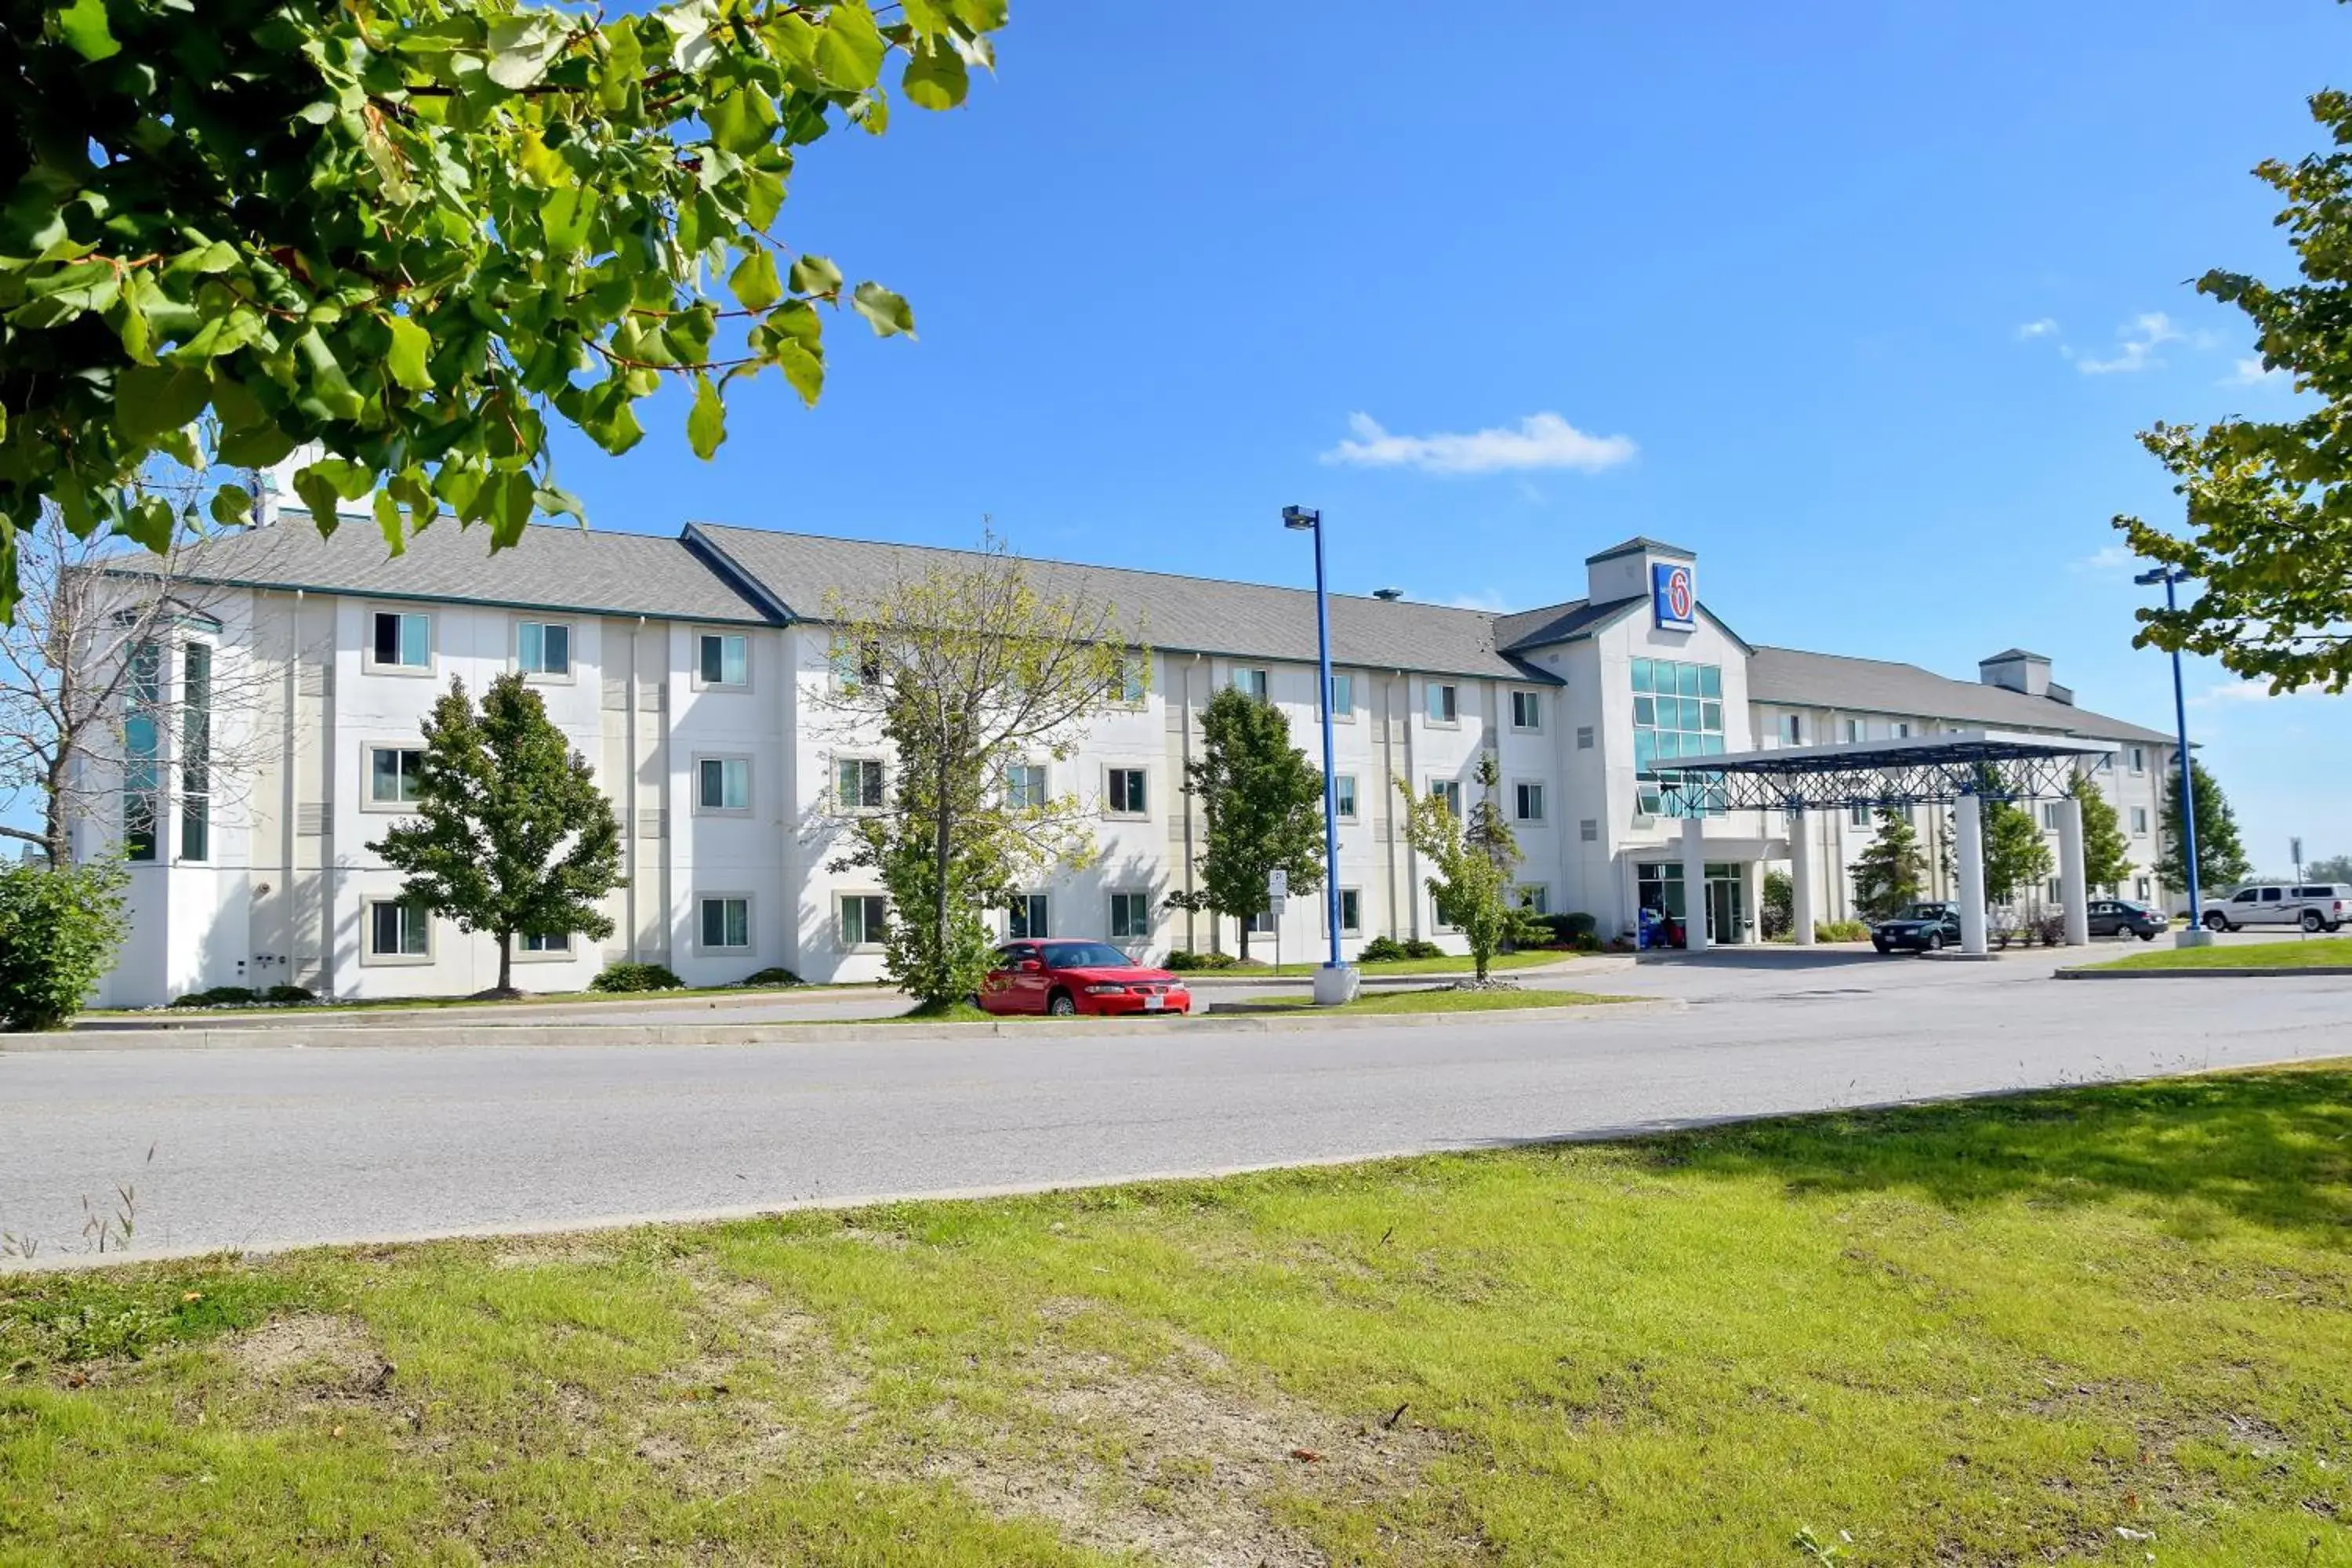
<point x="411" y="231"/>
<point x="60" y="928"/>
<point x="2221" y="860"/>
<point x="1779" y="907"/>
<point x="968" y="672"/>
<point x="1888" y="873"/>
<point x="511" y="836"/>
<point x="1472" y="884"/>
<point x="2106" y="854"/>
<point x="2335" y="868"/>
<point x="1261" y="808"/>
<point x="2269" y="518"/>
<point x="2016" y="858"/>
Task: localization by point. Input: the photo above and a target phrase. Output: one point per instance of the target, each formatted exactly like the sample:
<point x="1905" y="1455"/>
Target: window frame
<point x="428" y="670"/>
<point x="1110" y="904"/>
<point x="2139" y="821"/>
<point x="1520" y="788"/>
<point x="1112" y="771"/>
<point x="1342" y="713"/>
<point x="2137" y="756"/>
<point x="701" y="684"/>
<point x="564" y="954"/>
<point x="1348" y="928"/>
<point x="369" y="957"/>
<point x="1534" y="700"/>
<point x="1045" y="773"/>
<point x="750" y="784"/>
<point x="569" y="675"/>
<point x="1025" y="903"/>
<point x="867" y="942"/>
<point x="1264" y="679"/>
<point x="1132" y="689"/>
<point x="833" y="784"/>
<point x="1451" y="790"/>
<point x="1346" y="803"/>
<point x="368" y="749"/>
<point x="703" y="900"/>
<point x="1452" y="718"/>
<point x="1540" y="903"/>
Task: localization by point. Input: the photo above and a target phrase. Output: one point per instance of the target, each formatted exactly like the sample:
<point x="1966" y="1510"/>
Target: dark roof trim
<point x="707" y="551"/>
<point x="545" y="606"/>
<point x="1638" y="546"/>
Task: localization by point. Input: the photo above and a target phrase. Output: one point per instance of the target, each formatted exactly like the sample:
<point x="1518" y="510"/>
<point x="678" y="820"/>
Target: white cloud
<point x="2249" y="372"/>
<point x="1491" y="602"/>
<point x="2043" y="328"/>
<point x="2135" y="346"/>
<point x="1540" y="441"/>
<point x="2108" y="558"/>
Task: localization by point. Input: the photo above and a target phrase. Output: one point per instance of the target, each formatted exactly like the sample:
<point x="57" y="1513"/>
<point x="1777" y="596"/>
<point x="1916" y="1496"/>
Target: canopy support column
<point x="1800" y="876"/>
<point x="1695" y="899"/>
<point x="1968" y="824"/>
<point x="2072" y="891"/>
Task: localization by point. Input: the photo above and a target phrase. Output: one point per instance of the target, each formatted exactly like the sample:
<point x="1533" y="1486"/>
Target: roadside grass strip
<point x="2100" y="1325"/>
<point x="1433" y="999"/>
<point x="2287" y="952"/>
<point x="1450" y="964"/>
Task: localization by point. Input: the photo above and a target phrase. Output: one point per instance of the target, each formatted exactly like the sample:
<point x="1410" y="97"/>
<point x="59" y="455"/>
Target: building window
<point x="1856" y="732"/>
<point x="1031" y="917"/>
<point x="1343" y="792"/>
<point x="722" y="784"/>
<point x="556" y="943"/>
<point x="1792" y="729"/>
<point x="399" y="929"/>
<point x="1130" y="917"/>
<point x="1134" y="683"/>
<point x="1677" y="712"/>
<point x="1262" y="923"/>
<point x="195" y="752"/>
<point x="727" y="924"/>
<point x="1251" y="683"/>
<point x="2050" y="892"/>
<point x="543" y="647"/>
<point x="1589" y="830"/>
<point x="855" y="663"/>
<point x="1025" y="787"/>
<point x="1584" y="737"/>
<point x="142" y="745"/>
<point x="1528" y="802"/>
<point x="2139" y="822"/>
<point x="2140" y="759"/>
<point x="393" y="775"/>
<point x="864" y="920"/>
<point x="858" y="784"/>
<point x="1352" y="911"/>
<point x="2049" y="810"/>
<point x="1526" y="710"/>
<point x="1535" y="897"/>
<point x="1901" y="731"/>
<point x="1858" y="815"/>
<point x="1124" y="793"/>
<point x="1658" y="886"/>
<point x="2140" y="887"/>
<point x="403" y="640"/>
<point x="722" y="659"/>
<point x="1445" y="704"/>
<point x="1450" y="792"/>
<point x="1343" y="699"/>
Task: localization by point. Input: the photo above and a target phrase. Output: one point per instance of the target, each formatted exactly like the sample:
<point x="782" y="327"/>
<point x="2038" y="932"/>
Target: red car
<point x="1063" y="978"/>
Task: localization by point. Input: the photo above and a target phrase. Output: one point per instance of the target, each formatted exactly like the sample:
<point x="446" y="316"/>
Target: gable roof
<point x="554" y="567"/>
<point x="1186" y="615"/>
<point x="1791" y="678"/>
<point x="1558" y="623"/>
<point x="1638" y="544"/>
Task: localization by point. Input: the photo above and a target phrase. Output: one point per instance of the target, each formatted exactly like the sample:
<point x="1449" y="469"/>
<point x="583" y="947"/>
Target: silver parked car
<point x="2311" y="906"/>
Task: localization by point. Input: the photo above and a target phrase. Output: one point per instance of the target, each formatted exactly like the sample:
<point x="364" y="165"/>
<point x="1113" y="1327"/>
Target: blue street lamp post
<point x="2196" y="935"/>
<point x="1335" y="983"/>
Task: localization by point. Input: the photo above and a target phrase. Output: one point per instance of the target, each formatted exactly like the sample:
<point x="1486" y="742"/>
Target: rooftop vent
<point x="1388" y="595"/>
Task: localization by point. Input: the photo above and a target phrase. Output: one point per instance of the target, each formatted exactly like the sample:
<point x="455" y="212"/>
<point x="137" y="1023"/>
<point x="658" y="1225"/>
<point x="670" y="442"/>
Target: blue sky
<point x="1862" y="303"/>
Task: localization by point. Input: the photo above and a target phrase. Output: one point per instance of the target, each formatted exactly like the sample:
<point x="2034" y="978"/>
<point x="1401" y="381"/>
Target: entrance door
<point x="1727" y="903"/>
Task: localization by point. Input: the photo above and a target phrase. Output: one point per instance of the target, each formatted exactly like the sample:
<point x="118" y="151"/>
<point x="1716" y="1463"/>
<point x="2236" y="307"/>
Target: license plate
<point x="1154" y="1004"/>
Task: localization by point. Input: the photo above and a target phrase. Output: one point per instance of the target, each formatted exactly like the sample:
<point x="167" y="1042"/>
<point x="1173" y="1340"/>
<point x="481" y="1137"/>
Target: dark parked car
<point x="1923" y="928"/>
<point x="2121" y="917"/>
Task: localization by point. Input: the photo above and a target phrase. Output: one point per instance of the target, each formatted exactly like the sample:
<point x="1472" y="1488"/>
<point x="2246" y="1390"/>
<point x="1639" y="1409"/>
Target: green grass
<point x="415" y="1004"/>
<point x="2287" y="952"/>
<point x="1994" y="1332"/>
<point x="1435" y="999"/>
<point x="1451" y="964"/>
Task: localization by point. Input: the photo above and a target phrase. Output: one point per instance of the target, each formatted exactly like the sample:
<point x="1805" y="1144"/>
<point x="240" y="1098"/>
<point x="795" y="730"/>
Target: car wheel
<point x="1882" y="946"/>
<point x="2312" y="921"/>
<point x="2216" y="920"/>
<point x="1935" y="941"/>
<point x="2147" y="936"/>
<point x="1061" y="1004"/>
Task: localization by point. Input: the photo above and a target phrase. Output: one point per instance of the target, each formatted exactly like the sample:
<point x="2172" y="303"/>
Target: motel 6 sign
<point x="1674" y="595"/>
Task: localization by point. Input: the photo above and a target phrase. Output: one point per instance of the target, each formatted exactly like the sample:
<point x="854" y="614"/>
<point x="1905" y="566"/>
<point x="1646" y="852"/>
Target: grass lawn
<point x="2102" y="1325"/>
<point x="416" y="1004"/>
<point x="2287" y="952"/>
<point x="1450" y="964"/>
<point x="1436" y="999"/>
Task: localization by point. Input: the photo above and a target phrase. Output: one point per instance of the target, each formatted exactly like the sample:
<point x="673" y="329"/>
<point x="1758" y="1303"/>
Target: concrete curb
<point x="541" y="1035"/>
<point x="2234" y="971"/>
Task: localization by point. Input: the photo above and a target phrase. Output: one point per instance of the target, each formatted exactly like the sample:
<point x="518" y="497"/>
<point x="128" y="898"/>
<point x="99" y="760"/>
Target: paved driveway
<point x="262" y="1148"/>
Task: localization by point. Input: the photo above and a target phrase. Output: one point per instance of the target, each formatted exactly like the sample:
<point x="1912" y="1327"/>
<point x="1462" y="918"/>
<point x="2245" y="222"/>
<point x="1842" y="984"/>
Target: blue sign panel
<point x="1674" y="595"/>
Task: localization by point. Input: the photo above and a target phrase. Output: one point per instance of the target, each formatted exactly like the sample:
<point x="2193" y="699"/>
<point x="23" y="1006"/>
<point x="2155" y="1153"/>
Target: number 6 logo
<point x="1675" y="595"/>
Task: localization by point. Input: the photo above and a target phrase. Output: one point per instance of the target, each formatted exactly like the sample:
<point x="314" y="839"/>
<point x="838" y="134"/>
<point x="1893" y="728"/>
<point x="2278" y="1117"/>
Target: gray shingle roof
<point x="1191" y="614"/>
<point x="1557" y="623"/>
<point x="1789" y="678"/>
<point x="554" y="567"/>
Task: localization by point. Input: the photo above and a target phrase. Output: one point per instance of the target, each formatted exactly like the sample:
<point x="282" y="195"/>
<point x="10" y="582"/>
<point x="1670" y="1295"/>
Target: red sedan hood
<point x="1124" y="973"/>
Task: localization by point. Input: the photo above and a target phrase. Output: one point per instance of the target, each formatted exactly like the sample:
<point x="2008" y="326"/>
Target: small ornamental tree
<point x="2106" y="854"/>
<point x="1472" y="880"/>
<point x="2222" y="862"/>
<point x="1891" y="869"/>
<point x="511" y="836"/>
<point x="60" y="928"/>
<point x="2017" y="856"/>
<point x="1780" y="902"/>
<point x="1262" y="809"/>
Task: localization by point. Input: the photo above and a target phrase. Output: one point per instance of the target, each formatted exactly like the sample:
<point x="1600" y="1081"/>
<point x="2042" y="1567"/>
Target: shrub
<point x="58" y="930"/>
<point x="635" y="977"/>
<point x="1381" y="950"/>
<point x="2050" y="930"/>
<point x="229" y="996"/>
<point x="1779" y="905"/>
<point x="1573" y="927"/>
<point x="1841" y="931"/>
<point x="1184" y="958"/>
<point x="1524" y="927"/>
<point x="775" y="974"/>
<point x="288" y="994"/>
<point x="1422" y="947"/>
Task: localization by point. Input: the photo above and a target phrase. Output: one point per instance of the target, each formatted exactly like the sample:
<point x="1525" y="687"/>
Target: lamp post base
<point x="1336" y="984"/>
<point x="2193" y="936"/>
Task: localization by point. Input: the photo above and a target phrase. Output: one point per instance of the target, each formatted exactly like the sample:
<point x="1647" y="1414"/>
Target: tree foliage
<point x="1891" y="870"/>
<point x="966" y="672"/>
<point x="2221" y="860"/>
<point x="1472" y="864"/>
<point x="1261" y="808"/>
<point x="60" y="928"/>
<point x="512" y="834"/>
<point x="2268" y="535"/>
<point x="2106" y="853"/>
<point x="1780" y="902"/>
<point x="2333" y="869"/>
<point x="410" y="232"/>
<point x="2017" y="856"/>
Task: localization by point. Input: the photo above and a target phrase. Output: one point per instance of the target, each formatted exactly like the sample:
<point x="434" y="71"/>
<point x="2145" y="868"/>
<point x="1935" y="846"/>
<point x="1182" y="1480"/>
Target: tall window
<point x="725" y="784"/>
<point x="864" y="920"/>
<point x="726" y="923"/>
<point x="543" y="647"/>
<point x="1450" y="792"/>
<point x="1677" y="712"/>
<point x="1792" y="729"/>
<point x="391" y="775"/>
<point x="1858" y="815"/>
<point x="1526" y="710"/>
<point x="1901" y="730"/>
<point x="195" y="753"/>
<point x="2139" y="821"/>
<point x="2140" y="759"/>
<point x="1528" y="802"/>
<point x="399" y="928"/>
<point x="1445" y="704"/>
<point x="1343" y="698"/>
<point x="1031" y="917"/>
<point x="1343" y="789"/>
<point x="1134" y="677"/>
<point x="1535" y="897"/>
<point x="1126" y="792"/>
<point x="857" y="663"/>
<point x="142" y="745"/>
<point x="1130" y="917"/>
<point x="1855" y="731"/>
<point x="723" y="659"/>
<point x="403" y="640"/>
<point x="858" y="784"/>
<point x="1251" y="682"/>
<point x="1025" y="787"/>
<point x="1352" y="911"/>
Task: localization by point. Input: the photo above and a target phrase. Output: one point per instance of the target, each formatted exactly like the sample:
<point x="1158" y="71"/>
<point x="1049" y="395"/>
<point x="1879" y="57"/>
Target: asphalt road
<point x="269" y="1148"/>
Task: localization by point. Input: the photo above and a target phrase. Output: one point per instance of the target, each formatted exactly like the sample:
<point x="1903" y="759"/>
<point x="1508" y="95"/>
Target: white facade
<point x="712" y="737"/>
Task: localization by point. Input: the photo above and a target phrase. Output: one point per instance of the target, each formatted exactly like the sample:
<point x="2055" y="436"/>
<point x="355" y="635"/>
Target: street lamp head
<point x="1300" y="518"/>
<point x="2161" y="575"/>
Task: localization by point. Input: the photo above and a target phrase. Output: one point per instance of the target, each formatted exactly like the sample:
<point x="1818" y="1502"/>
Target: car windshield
<point x="1084" y="955"/>
<point x="1927" y="911"/>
